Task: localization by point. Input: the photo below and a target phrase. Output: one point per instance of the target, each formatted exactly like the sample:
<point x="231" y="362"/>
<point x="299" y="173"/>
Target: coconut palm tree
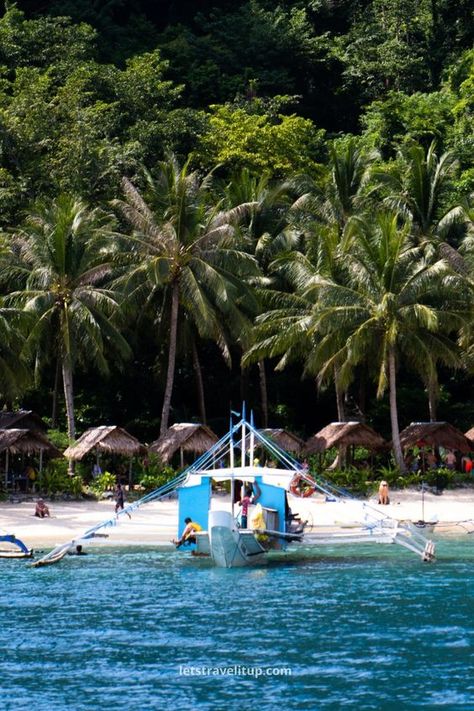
<point x="265" y="234"/>
<point x="61" y="266"/>
<point x="182" y="250"/>
<point x="325" y="214"/>
<point x="393" y="305"/>
<point x="14" y="375"/>
<point x="420" y="189"/>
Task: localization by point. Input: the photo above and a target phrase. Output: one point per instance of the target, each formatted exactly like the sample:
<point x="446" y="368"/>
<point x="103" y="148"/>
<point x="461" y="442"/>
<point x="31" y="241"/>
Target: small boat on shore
<point x="16" y="547"/>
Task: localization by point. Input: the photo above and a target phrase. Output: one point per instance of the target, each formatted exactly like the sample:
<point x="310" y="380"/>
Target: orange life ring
<point x="297" y="491"/>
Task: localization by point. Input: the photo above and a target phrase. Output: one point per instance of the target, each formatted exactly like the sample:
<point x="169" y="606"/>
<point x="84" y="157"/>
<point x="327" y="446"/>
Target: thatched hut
<point x="106" y="440"/>
<point x="22" y="419"/>
<point x="285" y="439"/>
<point x="343" y="434"/>
<point x="110" y="440"/>
<point x="23" y="441"/>
<point x="185" y="437"/>
<point x="434" y="434"/>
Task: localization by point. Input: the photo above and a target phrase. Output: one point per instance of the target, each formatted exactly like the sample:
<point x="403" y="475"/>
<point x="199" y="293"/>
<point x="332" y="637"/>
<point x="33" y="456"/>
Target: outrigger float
<point x="274" y="528"/>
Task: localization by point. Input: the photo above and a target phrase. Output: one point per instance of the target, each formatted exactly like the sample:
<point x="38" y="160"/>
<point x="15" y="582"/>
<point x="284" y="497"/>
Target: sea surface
<point x="353" y="628"/>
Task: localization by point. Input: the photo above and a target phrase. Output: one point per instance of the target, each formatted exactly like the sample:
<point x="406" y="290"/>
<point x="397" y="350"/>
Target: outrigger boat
<point x="16" y="549"/>
<point x="274" y="527"/>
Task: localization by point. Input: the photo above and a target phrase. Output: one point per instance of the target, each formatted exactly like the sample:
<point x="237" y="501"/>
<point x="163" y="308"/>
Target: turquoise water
<point x="370" y="628"/>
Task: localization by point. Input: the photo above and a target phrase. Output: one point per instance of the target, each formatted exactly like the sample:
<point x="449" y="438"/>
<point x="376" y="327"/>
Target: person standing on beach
<point x="383" y="493"/>
<point x="119" y="499"/>
<point x="450" y="459"/>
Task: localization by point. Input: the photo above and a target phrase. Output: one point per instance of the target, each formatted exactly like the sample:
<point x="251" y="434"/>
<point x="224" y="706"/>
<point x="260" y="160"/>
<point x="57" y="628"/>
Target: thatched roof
<point x="285" y="439"/>
<point x="344" y="433"/>
<point x="434" y="434"/>
<point x="19" y="441"/>
<point x="470" y="435"/>
<point x="185" y="436"/>
<point x="112" y="440"/>
<point x="21" y="419"/>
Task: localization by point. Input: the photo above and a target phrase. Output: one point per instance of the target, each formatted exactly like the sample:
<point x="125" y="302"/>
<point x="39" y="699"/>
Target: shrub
<point x="54" y="479"/>
<point x="152" y="473"/>
<point x="103" y="483"/>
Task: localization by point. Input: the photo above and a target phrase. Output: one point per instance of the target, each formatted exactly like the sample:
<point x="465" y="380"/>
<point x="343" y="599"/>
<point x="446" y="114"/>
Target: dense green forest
<point x="259" y="201"/>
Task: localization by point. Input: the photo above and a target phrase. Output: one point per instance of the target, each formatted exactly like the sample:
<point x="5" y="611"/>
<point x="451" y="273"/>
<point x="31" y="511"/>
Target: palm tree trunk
<point x="397" y="447"/>
<point x="69" y="399"/>
<point x="199" y="383"/>
<point x="432" y="399"/>
<point x="165" y="413"/>
<point x="341" y="457"/>
<point x="341" y="411"/>
<point x="54" y="407"/>
<point x="263" y="392"/>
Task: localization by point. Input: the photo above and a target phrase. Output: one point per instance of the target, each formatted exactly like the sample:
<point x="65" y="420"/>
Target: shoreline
<point x="156" y="523"/>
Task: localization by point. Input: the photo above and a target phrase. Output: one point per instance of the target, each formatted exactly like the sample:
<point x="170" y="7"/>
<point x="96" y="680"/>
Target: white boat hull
<point x="232" y="547"/>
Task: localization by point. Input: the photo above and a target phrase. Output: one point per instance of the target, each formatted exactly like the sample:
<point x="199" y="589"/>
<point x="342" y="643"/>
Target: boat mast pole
<point x="252" y="440"/>
<point x="231" y="462"/>
<point x="242" y="449"/>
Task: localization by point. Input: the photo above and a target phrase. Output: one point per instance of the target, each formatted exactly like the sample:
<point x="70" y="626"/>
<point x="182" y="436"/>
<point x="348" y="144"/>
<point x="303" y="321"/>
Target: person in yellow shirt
<point x="189" y="532"/>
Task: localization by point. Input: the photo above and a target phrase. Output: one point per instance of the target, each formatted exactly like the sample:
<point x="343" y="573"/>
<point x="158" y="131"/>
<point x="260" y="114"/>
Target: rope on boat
<point x="213" y="455"/>
<point x="58" y="553"/>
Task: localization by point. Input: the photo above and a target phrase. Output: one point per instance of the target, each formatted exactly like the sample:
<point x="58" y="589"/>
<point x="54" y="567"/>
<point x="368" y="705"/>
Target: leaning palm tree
<point x="61" y="266"/>
<point x="182" y="250"/>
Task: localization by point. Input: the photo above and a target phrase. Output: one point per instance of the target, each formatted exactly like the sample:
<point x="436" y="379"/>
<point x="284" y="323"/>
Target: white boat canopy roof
<point x="268" y="475"/>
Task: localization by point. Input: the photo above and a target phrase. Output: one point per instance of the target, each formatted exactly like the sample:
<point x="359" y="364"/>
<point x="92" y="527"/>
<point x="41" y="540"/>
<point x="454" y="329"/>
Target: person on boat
<point x="251" y="496"/>
<point x="189" y="534"/>
<point x="245" y="502"/>
<point x="41" y="510"/>
<point x="383" y="493"/>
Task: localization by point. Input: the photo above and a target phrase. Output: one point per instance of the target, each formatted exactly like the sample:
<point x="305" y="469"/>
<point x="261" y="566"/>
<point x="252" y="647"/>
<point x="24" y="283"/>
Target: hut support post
<point x="181" y="457"/>
<point x="6" y="468"/>
<point x="130" y="474"/>
<point x="41" y="461"/>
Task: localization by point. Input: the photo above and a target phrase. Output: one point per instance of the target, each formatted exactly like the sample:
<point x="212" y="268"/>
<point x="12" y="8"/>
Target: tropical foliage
<point x="189" y="221"/>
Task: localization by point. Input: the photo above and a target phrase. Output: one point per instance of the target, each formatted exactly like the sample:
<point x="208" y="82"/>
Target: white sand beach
<point x="156" y="523"/>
